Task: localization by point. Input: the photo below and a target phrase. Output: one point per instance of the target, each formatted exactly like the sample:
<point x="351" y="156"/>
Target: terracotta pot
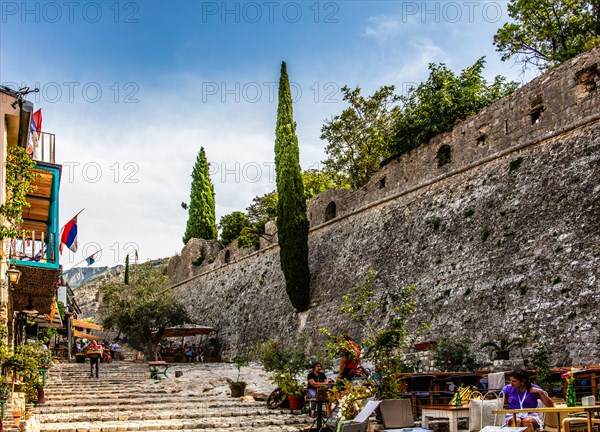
<point x="237" y="388"/>
<point x="16" y="417"/>
<point x="295" y="402"/>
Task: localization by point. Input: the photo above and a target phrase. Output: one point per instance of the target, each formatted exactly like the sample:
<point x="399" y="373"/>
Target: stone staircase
<point x="125" y="399"/>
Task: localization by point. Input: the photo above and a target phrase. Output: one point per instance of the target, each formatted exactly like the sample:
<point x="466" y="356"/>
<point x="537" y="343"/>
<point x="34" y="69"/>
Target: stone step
<point x="126" y="399"/>
<point x="174" y="424"/>
<point x="153" y="404"/>
<point x="159" y="413"/>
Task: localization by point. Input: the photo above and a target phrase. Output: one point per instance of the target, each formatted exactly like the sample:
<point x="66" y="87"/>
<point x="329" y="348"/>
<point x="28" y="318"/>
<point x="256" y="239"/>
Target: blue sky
<point x="132" y="89"/>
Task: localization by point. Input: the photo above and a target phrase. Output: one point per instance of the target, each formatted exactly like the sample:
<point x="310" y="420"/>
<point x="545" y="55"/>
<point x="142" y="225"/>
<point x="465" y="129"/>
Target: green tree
<point x="384" y="345"/>
<point x="545" y="33"/>
<point x="201" y="211"/>
<point x="318" y="181"/>
<point x="126" y="277"/>
<point x="444" y="100"/>
<point x="360" y="138"/>
<point x="450" y="355"/>
<point x="231" y="226"/>
<point x="292" y="222"/>
<point x="262" y="210"/>
<point x="143" y="311"/>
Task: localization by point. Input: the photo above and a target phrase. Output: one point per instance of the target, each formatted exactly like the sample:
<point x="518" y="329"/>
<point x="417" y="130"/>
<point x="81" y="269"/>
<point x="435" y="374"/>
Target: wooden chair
<point x="577" y="423"/>
<point x="551" y="420"/>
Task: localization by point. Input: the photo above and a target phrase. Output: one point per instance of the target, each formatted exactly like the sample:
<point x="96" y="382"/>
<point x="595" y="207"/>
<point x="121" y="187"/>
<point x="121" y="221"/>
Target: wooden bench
<point x="158" y="368"/>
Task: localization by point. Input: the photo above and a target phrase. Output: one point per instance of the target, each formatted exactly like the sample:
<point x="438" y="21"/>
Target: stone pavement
<point x="125" y="399"/>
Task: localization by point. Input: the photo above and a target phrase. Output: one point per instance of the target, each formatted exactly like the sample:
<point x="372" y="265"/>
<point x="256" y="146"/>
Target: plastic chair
<point x="396" y="413"/>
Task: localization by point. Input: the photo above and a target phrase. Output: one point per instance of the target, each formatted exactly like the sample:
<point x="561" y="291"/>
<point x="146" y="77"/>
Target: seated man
<point x="316" y="379"/>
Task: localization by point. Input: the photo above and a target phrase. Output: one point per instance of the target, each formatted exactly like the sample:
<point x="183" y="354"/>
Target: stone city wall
<point x="503" y="240"/>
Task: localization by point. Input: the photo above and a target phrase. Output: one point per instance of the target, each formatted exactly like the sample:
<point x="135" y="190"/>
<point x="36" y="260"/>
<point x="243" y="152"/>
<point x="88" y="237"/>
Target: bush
<point x="453" y="356"/>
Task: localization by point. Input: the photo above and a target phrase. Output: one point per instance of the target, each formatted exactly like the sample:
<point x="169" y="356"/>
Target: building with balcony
<point x="31" y="256"/>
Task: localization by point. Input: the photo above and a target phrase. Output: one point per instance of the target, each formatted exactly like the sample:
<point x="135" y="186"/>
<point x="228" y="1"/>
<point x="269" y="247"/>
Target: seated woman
<point x="364" y="375"/>
<point x="521" y="393"/>
<point x="316" y="379"/>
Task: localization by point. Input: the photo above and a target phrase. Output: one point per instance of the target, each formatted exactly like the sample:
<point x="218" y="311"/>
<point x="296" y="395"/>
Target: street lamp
<point x="14" y="275"/>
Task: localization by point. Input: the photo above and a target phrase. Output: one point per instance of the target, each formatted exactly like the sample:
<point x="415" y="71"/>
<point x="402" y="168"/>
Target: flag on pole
<point x="69" y="235"/>
<point x="35" y="128"/>
<point x="90" y="260"/>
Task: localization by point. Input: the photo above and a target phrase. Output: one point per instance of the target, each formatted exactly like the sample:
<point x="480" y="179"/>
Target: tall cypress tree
<point x="201" y="210"/>
<point x="292" y="223"/>
<point x="126" y="278"/>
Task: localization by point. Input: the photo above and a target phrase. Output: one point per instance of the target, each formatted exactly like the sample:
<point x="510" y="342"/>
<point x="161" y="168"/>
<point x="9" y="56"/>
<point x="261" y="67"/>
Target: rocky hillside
<point x="86" y="283"/>
<point x="79" y="276"/>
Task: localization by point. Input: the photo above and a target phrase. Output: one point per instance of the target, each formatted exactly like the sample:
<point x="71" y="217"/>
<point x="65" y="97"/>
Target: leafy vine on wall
<point x="19" y="182"/>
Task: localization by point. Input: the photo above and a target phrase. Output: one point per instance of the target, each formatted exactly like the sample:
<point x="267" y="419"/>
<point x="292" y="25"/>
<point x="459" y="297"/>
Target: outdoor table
<point x="158" y="368"/>
<point x="452" y="413"/>
<point x="588" y="409"/>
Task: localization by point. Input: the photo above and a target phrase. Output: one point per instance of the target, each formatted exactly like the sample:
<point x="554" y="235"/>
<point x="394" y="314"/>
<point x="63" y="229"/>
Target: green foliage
<point x="316" y="182"/>
<point x="232" y="225"/>
<point x="4" y="388"/>
<point x="292" y="222"/>
<point x="19" y="182"/>
<point x="545" y="33"/>
<point x="262" y="210"/>
<point x="201" y="210"/>
<point x="383" y="345"/>
<point x="239" y="363"/>
<point x="504" y="343"/>
<point x="541" y="362"/>
<point x="275" y="357"/>
<point x="453" y="356"/>
<point x="126" y="277"/>
<point x="61" y="309"/>
<point x="360" y="138"/>
<point x="47" y="333"/>
<point x="441" y="102"/>
<point x="25" y="361"/>
<point x="287" y="383"/>
<point x="140" y="309"/>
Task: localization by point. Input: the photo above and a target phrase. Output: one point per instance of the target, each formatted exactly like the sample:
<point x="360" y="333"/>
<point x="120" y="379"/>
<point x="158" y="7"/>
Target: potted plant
<point x="501" y="349"/>
<point x="4" y="389"/>
<point x="291" y="388"/>
<point x="238" y="387"/>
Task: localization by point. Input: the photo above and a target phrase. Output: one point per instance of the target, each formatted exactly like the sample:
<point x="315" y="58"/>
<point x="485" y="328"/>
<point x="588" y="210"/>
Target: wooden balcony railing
<point x="34" y="246"/>
<point x="44" y="151"/>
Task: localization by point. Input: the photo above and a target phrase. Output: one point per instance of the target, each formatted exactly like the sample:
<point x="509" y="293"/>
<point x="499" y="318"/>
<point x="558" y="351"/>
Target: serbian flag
<point x="37" y="120"/>
<point x="35" y="129"/>
<point x="69" y="235"/>
<point x="90" y="260"/>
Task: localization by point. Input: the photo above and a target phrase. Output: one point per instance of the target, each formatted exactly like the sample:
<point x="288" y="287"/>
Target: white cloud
<point x="384" y="27"/>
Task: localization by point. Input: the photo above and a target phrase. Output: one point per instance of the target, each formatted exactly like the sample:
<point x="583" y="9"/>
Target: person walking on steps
<point x="94" y="352"/>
